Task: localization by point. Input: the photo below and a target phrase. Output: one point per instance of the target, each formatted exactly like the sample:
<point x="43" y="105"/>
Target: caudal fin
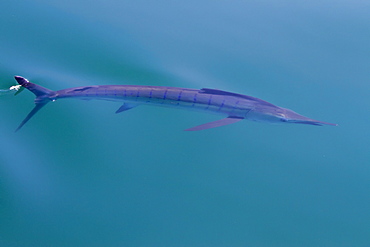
<point x="43" y="96"/>
<point x="30" y="115"/>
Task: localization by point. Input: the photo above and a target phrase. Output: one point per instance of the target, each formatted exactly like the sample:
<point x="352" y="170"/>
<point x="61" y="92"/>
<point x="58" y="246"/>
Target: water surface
<point x="80" y="175"/>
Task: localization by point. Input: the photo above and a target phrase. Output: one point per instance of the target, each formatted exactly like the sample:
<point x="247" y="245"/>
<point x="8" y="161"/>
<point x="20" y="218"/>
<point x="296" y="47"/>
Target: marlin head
<point x="275" y="114"/>
<point x="290" y="116"/>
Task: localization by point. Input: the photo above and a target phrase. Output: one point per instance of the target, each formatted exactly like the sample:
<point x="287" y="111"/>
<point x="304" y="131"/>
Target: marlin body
<point x="233" y="106"/>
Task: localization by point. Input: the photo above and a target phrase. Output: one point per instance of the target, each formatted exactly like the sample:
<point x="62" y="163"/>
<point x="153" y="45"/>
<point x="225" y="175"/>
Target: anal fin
<point x="218" y="123"/>
<point x="125" y="107"/>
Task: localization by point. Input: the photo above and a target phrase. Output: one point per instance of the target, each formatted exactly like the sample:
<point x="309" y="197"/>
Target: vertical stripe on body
<point x="194" y="99"/>
<point x="209" y="102"/>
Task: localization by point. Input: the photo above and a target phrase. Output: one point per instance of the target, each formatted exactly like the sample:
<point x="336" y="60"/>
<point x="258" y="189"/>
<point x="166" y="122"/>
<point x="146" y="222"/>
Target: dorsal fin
<point x="81" y="89"/>
<point x="226" y="93"/>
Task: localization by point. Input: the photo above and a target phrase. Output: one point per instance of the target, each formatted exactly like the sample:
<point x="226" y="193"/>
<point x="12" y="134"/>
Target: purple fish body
<point x="234" y="106"/>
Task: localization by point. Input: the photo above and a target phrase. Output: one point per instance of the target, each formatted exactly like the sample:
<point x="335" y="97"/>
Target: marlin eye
<point x="283" y="118"/>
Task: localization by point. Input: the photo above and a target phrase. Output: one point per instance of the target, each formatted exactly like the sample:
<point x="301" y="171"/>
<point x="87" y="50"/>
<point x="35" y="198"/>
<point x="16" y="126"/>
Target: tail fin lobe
<point x="35" y="89"/>
<point x="30" y="115"/>
<point x="43" y="96"/>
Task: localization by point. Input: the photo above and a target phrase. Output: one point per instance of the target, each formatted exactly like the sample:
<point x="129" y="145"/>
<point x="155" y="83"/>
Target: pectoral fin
<point x="125" y="107"/>
<point x="218" y="123"/>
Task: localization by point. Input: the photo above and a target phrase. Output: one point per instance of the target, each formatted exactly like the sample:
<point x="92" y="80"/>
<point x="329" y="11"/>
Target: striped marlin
<point x="233" y="106"/>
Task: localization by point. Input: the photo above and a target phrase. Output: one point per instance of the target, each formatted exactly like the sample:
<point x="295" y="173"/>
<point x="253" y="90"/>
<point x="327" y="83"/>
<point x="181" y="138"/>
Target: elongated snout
<point x="293" y="117"/>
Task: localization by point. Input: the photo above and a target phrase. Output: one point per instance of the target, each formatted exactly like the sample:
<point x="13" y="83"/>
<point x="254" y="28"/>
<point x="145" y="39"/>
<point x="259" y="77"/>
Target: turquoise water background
<point x="79" y="175"/>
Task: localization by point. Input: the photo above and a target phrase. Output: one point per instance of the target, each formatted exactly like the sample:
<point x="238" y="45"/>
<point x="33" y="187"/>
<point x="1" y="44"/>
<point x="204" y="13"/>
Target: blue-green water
<point x="79" y="175"/>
